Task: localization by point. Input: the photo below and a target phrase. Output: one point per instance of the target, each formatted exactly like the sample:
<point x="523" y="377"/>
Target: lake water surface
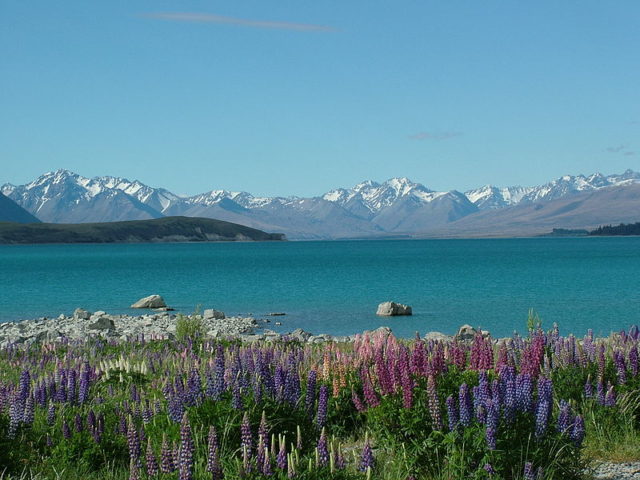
<point x="335" y="287"/>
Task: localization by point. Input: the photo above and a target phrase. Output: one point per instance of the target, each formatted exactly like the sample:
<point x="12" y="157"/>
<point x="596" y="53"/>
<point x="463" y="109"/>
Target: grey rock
<point x="392" y="309"/>
<point x="246" y="337"/>
<point x="342" y="339"/>
<point x="299" y="335"/>
<point x="380" y="330"/>
<point x="81" y="314"/>
<point x="210" y="313"/>
<point x="439" y="336"/>
<point x="152" y="301"/>
<point x="103" y="323"/>
<point x="322" y="338"/>
<point x="466" y="333"/>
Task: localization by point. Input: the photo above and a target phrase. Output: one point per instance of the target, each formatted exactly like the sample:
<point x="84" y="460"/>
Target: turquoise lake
<point x="335" y="287"/>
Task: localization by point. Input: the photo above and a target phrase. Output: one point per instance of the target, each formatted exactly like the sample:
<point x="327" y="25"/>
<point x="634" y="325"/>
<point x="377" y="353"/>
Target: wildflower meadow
<point x="537" y="406"/>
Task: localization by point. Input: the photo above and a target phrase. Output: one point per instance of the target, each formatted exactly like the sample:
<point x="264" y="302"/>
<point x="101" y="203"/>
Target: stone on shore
<point x="152" y="301"/>
<point x="466" y="333"/>
<point x="211" y="314"/>
<point x="392" y="309"/>
<point x="438" y="336"/>
<point x="103" y="323"/>
<point x="81" y="314"/>
<point x="299" y="335"/>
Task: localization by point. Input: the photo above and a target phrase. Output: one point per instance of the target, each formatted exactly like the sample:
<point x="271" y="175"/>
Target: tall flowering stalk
<point x="434" y="404"/>
<point x="213" y="455"/>
<point x="185" y="467"/>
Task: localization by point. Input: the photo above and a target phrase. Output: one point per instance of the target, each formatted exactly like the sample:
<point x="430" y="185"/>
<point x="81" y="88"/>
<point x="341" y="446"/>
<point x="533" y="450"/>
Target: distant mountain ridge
<point x="397" y="206"/>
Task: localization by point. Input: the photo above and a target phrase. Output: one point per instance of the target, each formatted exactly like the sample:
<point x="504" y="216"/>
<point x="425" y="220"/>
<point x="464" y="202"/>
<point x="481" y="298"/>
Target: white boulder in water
<point x="152" y="301"/>
<point x="391" y="309"/>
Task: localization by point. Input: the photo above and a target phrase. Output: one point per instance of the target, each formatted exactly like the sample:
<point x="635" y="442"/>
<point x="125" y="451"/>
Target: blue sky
<point x="296" y="98"/>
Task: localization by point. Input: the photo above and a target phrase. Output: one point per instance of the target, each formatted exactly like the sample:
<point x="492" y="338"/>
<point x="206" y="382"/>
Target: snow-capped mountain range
<point x="395" y="207"/>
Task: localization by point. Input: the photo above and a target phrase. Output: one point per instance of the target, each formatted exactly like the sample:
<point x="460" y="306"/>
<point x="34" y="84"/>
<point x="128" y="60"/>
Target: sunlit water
<point x="335" y="287"/>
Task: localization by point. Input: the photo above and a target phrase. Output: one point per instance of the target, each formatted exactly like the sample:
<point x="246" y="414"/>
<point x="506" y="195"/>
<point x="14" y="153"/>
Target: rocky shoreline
<point x="161" y="324"/>
<point x="83" y="324"/>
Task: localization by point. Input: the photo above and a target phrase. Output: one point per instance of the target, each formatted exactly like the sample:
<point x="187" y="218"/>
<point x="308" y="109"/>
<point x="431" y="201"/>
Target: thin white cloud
<point x="617" y="149"/>
<point x="244" y="22"/>
<point x="435" y="135"/>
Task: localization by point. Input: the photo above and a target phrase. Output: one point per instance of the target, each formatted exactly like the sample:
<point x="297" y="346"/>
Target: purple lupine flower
<point x="133" y="441"/>
<point x="434" y="404"/>
<point x="600" y="396"/>
<point x="633" y="361"/>
<point x="85" y="377"/>
<point x="508" y="382"/>
<point x="588" y="388"/>
<point x="91" y="420"/>
<point x="147" y="413"/>
<point x="236" y="400"/>
<point x="28" y="414"/>
<point x="281" y="460"/>
<point x="493" y="415"/>
<point x="489" y="469"/>
<point x="79" y="424"/>
<point x="185" y="467"/>
<point x="260" y="454"/>
<point x="152" y="462"/>
<point x="213" y="457"/>
<point x="464" y="400"/>
<point x="292" y="383"/>
<point x="366" y="457"/>
<point x="71" y="386"/>
<point x="323" y="449"/>
<point x="245" y="434"/>
<point x="528" y="471"/>
<point x="357" y="402"/>
<point x="524" y="392"/>
<point x="66" y="431"/>
<point x="51" y="414"/>
<point x="134" y="470"/>
<point x="601" y="360"/>
<point x="194" y="388"/>
<point x="267" y="470"/>
<point x="543" y="408"/>
<point x="621" y="368"/>
<point x="167" y="464"/>
<point x="122" y="425"/>
<point x="323" y="399"/>
<point x="565" y="418"/>
<point x="175" y="408"/>
<point x="406" y="383"/>
<point x="310" y="395"/>
<point x="578" y="431"/>
<point x="14" y="421"/>
<point x="367" y="389"/>
<point x="24" y="386"/>
<point x="452" y="413"/>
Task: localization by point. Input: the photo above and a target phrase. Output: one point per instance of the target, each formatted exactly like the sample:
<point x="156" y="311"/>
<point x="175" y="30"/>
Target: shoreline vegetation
<point x="96" y="396"/>
<point x="166" y="229"/>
